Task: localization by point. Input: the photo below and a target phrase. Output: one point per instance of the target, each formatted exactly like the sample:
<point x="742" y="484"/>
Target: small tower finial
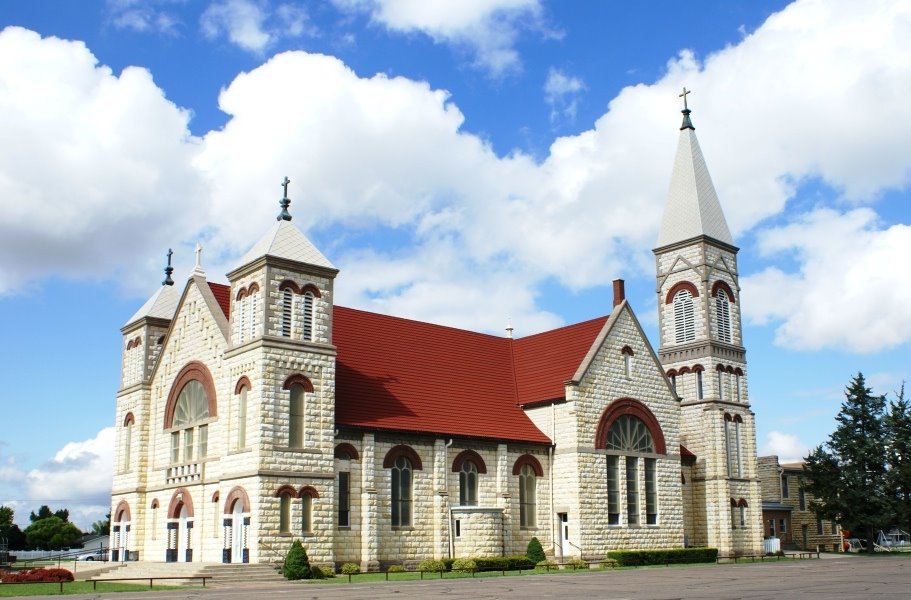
<point x="687" y="123"/>
<point x="284" y="215"/>
<point x="198" y="269"/>
<point x="509" y="328"/>
<point x="168" y="270"/>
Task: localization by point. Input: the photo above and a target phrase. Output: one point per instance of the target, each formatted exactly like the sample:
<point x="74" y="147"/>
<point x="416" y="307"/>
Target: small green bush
<point x="535" y="552"/>
<point x="465" y="565"/>
<point x="636" y="558"/>
<point x="504" y="563"/>
<point x="328" y="572"/>
<point x="576" y="563"/>
<point x="608" y="563"/>
<point x="431" y="565"/>
<point x="297" y="565"/>
<point x="351" y="569"/>
<point x="318" y="573"/>
<point x="546" y="564"/>
<point x="396" y="569"/>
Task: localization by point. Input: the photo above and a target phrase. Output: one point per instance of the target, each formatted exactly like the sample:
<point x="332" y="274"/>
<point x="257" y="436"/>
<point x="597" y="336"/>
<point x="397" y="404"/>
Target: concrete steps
<point x="222" y="575"/>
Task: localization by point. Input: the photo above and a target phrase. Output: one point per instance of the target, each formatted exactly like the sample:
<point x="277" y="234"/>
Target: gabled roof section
<point x="692" y="207"/>
<point x="284" y="240"/>
<point x="546" y="361"/>
<point x="161" y="305"/>
<point x="222" y="295"/>
<point x="401" y="375"/>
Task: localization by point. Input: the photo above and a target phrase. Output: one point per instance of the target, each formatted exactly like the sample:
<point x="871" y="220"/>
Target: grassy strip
<point x="74" y="587"/>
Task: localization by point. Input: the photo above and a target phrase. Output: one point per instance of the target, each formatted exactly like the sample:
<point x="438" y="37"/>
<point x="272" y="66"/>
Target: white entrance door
<point x="124" y="541"/>
<point x="183" y="535"/>
<point x="237" y="533"/>
<point x="566" y="546"/>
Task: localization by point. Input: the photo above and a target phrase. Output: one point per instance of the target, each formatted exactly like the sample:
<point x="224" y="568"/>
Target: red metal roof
<point x="398" y="374"/>
<point x="222" y="294"/>
<point x="545" y="361"/>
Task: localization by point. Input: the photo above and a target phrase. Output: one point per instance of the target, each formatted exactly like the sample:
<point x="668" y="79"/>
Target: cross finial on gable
<point x="285" y="202"/>
<point x="198" y="270"/>
<point x="168" y="270"/>
<point x="687" y="123"/>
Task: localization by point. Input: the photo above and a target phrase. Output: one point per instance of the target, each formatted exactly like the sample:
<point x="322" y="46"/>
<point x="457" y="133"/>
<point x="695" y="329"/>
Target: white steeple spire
<point x="692" y="209"/>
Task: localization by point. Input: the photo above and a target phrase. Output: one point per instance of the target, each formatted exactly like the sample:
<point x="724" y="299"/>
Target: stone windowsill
<point x="296" y="450"/>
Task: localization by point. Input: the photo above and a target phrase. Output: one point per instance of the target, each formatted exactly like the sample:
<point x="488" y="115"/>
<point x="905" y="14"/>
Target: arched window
<point x="401" y="492"/>
<point x="287" y="311"/>
<point x="308" y="316"/>
<point x="254" y="308"/>
<point x="468" y="484"/>
<point x="284" y="513"/>
<point x="684" y="317"/>
<point x="527" y="497"/>
<point x="240" y="412"/>
<point x="298" y="386"/>
<point x="241" y="318"/>
<point x="128" y="422"/>
<point x="723" y="316"/>
<point x="628" y="429"/>
<point x="700" y="390"/>
<point x="627" y="353"/>
<point x="732" y="444"/>
<point x="191" y="404"/>
<point x="720" y="382"/>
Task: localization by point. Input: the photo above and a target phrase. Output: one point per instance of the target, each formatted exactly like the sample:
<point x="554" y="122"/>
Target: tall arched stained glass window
<point x="630" y="434"/>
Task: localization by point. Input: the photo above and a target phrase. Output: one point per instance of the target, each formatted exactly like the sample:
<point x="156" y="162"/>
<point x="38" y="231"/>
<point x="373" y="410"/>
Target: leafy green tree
<point x="535" y="552"/>
<point x="43" y="513"/>
<point x="297" y="565"/>
<point x="102" y="527"/>
<point x="9" y="530"/>
<point x="847" y="474"/>
<point x="898" y="429"/>
<point x="52" y="533"/>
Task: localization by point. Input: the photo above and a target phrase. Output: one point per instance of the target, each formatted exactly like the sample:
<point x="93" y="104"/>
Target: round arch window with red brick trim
<point x="723" y="287"/>
<point x="193" y="371"/>
<point x="621" y="420"/>
<point x="191" y="405"/>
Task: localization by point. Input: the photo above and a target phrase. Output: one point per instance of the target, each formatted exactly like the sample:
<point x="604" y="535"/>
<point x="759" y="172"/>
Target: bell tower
<point x="702" y="351"/>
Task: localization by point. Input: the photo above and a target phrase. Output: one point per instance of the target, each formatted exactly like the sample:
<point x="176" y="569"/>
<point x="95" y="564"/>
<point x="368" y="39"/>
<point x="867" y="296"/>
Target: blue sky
<point x="466" y="163"/>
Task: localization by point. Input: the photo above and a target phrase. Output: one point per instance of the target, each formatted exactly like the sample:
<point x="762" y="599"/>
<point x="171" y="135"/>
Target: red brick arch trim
<point x="154" y="504"/>
<point x="192" y="370"/>
<point x="684" y="371"/>
<point x="733" y="418"/>
<point x="215" y="496"/>
<point x="243" y="382"/>
<point x="733" y="503"/>
<point x="672" y="373"/>
<point x="346" y="451"/>
<point x="528" y="459"/>
<point x="309" y="287"/>
<point x="406" y="451"/>
<point x="308" y="490"/>
<point x="241" y="294"/>
<point x="298" y="379"/>
<point x="237" y="494"/>
<point x="729" y="369"/>
<point x="738" y="371"/>
<point x="681" y="285"/>
<point x="698" y="368"/>
<point x="720" y="367"/>
<point x="289" y="285"/>
<point x="473" y="457"/>
<point x="629" y="406"/>
<point x="247" y="291"/>
<point x="742" y="503"/>
<point x="286" y="489"/>
<point x="723" y="286"/>
<point x="129" y="420"/>
<point x="180" y="498"/>
<point x="122" y="512"/>
<point x="627" y="350"/>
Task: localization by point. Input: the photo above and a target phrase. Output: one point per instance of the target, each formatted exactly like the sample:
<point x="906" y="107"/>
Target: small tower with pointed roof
<point x="701" y="348"/>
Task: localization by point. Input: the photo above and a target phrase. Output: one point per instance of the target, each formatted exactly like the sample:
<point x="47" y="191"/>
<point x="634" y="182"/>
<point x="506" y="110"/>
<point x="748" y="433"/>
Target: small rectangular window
<point x="785" y="491"/>
<point x="613" y="490"/>
<point x="699" y="390"/>
<point x="344" y="499"/>
<point x="306" y="513"/>
<point x="632" y="490"/>
<point x="458" y="528"/>
<point x="175" y="446"/>
<point x="743" y="516"/>
<point x="651" y="492"/>
<point x="784" y="526"/>
<point x="203" y="444"/>
<point x="188" y="444"/>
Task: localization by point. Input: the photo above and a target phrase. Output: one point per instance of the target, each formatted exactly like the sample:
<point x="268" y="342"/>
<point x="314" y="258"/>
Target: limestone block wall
<point x="478" y="531"/>
<point x="247" y="315"/>
<point x="322" y="306"/>
<point x="683" y="264"/>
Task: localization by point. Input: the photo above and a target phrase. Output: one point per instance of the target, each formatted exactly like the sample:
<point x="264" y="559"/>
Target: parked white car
<point x="101" y="555"/>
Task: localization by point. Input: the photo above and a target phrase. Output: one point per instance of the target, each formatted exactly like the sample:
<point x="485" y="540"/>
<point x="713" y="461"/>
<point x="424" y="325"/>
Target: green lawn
<point x="8" y="590"/>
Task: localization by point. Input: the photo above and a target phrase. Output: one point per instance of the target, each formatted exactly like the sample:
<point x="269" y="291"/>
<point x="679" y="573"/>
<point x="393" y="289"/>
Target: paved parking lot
<point x="825" y="579"/>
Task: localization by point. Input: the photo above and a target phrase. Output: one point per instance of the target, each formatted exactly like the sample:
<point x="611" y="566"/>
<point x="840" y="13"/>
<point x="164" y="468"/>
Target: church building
<point x="257" y="412"/>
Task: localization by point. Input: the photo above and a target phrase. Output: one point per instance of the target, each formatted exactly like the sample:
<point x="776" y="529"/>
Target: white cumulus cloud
<point x="561" y="92"/>
<point x="489" y="28"/>
<point x="254" y="25"/>
<point x="786" y="446"/>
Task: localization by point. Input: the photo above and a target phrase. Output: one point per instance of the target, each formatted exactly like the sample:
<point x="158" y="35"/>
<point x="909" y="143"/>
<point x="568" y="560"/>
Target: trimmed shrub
<point x="608" y="563"/>
<point x="328" y="572"/>
<point x="535" y="552"/>
<point x="38" y="576"/>
<point x="351" y="569"/>
<point x="465" y="565"/>
<point x="297" y="565"/>
<point x="396" y="569"/>
<point x="576" y="563"/>
<point x="546" y="564"/>
<point x="432" y="565"/>
<point x="504" y="563"/>
<point x="636" y="558"/>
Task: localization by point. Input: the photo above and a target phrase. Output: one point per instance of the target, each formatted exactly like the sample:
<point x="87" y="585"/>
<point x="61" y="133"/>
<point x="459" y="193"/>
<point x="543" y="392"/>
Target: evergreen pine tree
<point x="297" y="565"/>
<point x="898" y="431"/>
<point x="535" y="552"/>
<point x="847" y="474"/>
